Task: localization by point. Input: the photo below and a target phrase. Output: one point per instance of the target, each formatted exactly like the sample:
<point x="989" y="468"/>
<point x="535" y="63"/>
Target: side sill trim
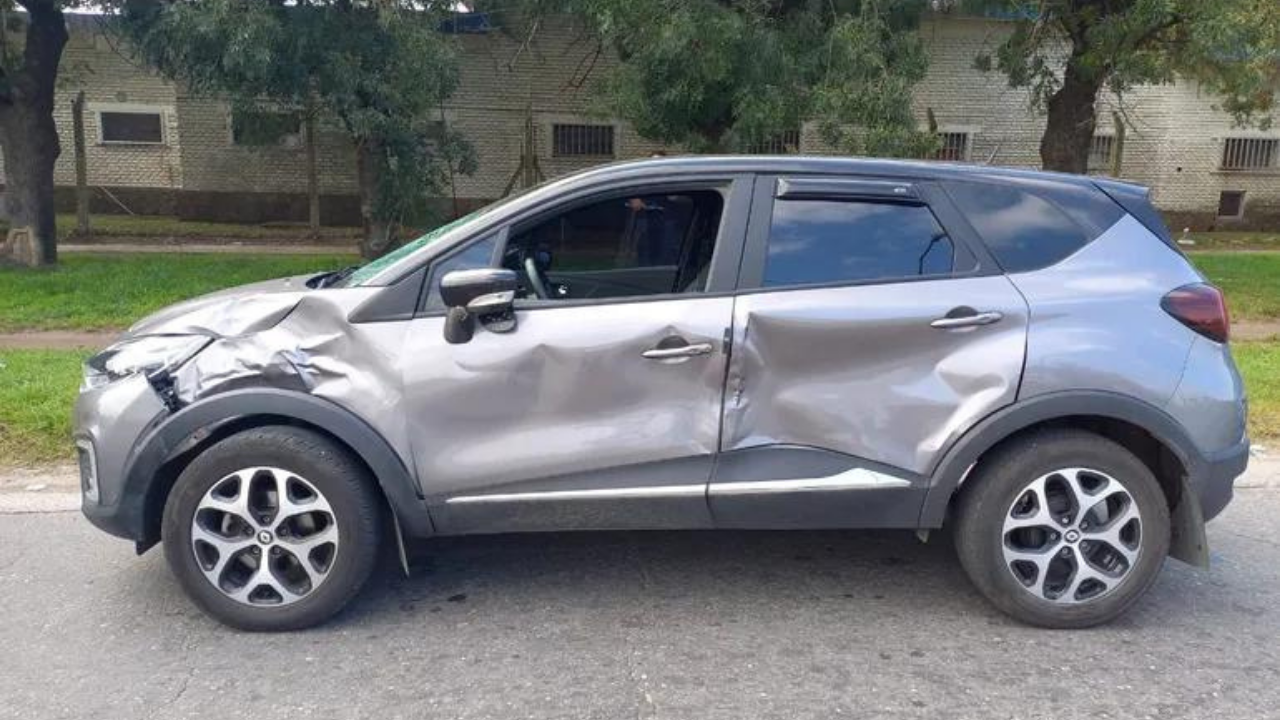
<point x="659" y="491"/>
<point x="853" y="479"/>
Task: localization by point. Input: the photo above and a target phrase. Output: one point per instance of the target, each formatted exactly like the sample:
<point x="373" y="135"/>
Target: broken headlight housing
<point x="147" y="355"/>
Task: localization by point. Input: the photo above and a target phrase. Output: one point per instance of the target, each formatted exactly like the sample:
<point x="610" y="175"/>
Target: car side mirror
<point x="487" y="294"/>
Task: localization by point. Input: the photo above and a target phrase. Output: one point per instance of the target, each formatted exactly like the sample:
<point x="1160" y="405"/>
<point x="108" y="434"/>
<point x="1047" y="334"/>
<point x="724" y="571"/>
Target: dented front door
<point x="597" y="416"/>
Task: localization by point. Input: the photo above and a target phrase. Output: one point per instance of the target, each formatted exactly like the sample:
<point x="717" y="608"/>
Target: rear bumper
<point x="1214" y="483"/>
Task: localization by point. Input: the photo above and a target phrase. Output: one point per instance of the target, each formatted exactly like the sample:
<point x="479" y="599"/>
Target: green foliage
<point x="37" y="390"/>
<point x="1231" y="46"/>
<point x="97" y="292"/>
<point x="721" y="75"/>
<point x="380" y="67"/>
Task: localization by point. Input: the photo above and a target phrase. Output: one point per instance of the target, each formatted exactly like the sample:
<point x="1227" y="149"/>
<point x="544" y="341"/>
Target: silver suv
<point x="1025" y="359"/>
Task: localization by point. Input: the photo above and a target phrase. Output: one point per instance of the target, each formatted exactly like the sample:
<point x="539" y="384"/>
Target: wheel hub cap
<point x="1072" y="536"/>
<point x="264" y="536"/>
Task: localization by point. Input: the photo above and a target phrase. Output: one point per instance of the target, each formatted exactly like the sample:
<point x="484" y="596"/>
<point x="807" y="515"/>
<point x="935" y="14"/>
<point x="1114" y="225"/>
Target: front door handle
<point x="680" y="351"/>
<point x="952" y="322"/>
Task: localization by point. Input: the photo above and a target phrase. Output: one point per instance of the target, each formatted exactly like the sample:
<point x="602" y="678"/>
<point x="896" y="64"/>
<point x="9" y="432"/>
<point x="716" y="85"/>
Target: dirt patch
<point x="1247" y="330"/>
<point x="57" y="340"/>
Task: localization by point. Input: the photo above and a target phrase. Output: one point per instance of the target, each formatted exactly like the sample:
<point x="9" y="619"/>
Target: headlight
<point x="141" y="355"/>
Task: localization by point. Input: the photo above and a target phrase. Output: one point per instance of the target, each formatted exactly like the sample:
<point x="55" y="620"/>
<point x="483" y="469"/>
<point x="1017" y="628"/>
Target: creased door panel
<point x="860" y="370"/>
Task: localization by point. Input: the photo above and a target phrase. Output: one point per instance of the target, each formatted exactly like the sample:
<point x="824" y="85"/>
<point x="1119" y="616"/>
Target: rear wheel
<point x="274" y="528"/>
<point x="1062" y="528"/>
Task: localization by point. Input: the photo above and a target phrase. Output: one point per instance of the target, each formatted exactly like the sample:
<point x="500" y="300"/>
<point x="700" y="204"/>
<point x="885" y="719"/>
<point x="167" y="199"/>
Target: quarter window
<point x="827" y="241"/>
<point x="473" y="257"/>
<point x="1024" y="231"/>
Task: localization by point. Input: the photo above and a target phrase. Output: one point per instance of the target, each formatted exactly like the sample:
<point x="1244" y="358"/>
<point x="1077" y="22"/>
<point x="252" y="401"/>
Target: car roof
<point x="829" y="165"/>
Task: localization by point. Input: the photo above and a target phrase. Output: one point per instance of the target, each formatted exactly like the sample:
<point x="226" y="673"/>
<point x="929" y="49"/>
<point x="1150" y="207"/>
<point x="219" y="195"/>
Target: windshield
<point x="367" y="272"/>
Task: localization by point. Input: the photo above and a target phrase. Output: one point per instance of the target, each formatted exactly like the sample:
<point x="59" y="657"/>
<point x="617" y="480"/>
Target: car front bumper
<point x="109" y="423"/>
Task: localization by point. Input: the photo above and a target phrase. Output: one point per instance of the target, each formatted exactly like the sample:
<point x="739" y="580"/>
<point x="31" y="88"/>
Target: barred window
<point x="266" y="128"/>
<point x="954" y="147"/>
<point x="581" y="140"/>
<point x="786" y="142"/>
<point x="131" y="127"/>
<point x="1100" y="152"/>
<point x="1250" y="153"/>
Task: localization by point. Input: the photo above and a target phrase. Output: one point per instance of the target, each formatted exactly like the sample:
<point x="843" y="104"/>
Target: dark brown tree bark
<point x="28" y="135"/>
<point x="370" y="162"/>
<point x="1071" y="119"/>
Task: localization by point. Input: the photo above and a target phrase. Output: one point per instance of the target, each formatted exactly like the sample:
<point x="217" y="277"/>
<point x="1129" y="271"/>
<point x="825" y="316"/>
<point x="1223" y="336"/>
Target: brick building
<point x="156" y="149"/>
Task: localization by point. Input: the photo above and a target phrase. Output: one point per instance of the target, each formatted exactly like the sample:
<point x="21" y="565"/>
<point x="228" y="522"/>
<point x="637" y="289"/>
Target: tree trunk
<point x="1071" y="119"/>
<point x="370" y="163"/>
<point x="28" y="135"/>
<point x="30" y="145"/>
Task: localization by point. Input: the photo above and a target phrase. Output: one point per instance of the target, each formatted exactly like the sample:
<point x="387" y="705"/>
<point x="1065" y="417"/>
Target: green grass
<point x="1251" y="281"/>
<point x="37" y="390"/>
<point x="1260" y="365"/>
<point x="92" y="292"/>
<point x="155" y="226"/>
<point x="1224" y="240"/>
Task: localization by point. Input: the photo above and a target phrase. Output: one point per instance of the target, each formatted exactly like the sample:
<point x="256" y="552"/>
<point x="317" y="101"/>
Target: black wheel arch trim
<point x="174" y="436"/>
<point x="951" y="469"/>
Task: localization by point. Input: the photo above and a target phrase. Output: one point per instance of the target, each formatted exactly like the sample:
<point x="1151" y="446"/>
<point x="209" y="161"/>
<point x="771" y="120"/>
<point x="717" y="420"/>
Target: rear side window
<point x="813" y="242"/>
<point x="1023" y="231"/>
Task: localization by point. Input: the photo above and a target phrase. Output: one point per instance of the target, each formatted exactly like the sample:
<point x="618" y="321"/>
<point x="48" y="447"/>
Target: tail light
<point x="1200" y="307"/>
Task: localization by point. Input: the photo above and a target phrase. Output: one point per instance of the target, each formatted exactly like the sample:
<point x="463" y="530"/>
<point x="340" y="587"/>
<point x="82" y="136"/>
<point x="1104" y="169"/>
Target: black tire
<point x="1002" y="477"/>
<point x="346" y="485"/>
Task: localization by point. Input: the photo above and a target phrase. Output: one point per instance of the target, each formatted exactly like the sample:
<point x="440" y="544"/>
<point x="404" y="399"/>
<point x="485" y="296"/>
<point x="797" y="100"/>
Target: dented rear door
<point x="869" y="333"/>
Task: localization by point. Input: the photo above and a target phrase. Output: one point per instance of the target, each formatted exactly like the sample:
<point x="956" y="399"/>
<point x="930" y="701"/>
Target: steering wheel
<point x="537" y="281"/>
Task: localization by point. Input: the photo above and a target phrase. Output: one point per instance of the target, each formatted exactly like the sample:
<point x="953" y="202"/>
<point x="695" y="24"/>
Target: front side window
<point x="627" y="245"/>
<point x="812" y="242"/>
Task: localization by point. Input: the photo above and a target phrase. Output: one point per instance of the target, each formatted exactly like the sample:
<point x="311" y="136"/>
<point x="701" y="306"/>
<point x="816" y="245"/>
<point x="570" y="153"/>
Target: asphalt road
<point x="639" y="625"/>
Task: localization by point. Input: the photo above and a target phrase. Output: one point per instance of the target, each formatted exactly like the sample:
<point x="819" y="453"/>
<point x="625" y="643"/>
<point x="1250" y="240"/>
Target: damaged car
<point x="1023" y="358"/>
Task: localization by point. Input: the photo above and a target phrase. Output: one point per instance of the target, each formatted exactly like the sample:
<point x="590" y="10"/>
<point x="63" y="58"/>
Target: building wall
<point x="141" y="177"/>
<point x="1174" y="136"/>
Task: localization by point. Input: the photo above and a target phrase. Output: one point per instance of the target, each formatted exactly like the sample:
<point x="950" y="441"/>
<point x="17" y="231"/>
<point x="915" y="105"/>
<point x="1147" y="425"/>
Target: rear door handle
<point x="964" y="321"/>
<point x="680" y="351"/>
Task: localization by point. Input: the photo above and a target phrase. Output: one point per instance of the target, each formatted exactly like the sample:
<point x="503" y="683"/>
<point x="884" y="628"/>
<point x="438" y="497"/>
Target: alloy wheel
<point x="264" y="536"/>
<point x="1072" y="536"/>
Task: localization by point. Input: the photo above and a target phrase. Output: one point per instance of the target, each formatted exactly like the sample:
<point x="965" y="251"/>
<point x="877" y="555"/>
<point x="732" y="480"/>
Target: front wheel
<point x="274" y="528"/>
<point x="1062" y="529"/>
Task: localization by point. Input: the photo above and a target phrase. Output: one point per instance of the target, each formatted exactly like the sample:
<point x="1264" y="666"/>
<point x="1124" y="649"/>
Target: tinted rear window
<point x="1026" y="231"/>
<point x="827" y="241"/>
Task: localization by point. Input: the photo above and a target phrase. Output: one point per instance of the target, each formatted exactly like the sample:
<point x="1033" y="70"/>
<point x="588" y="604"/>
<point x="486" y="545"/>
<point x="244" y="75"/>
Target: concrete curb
<point x="24" y="503"/>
